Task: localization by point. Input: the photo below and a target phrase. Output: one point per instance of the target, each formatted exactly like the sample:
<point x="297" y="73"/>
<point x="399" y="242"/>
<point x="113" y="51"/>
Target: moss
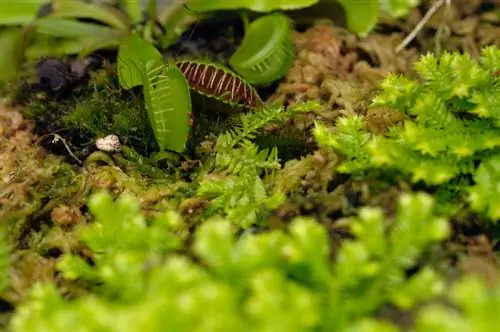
<point x="96" y="109"/>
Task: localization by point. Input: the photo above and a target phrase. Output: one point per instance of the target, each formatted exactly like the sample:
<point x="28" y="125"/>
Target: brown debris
<point x="339" y="68"/>
<point x="15" y="139"/>
<point x="378" y="120"/>
<point x="481" y="259"/>
<point x="66" y="215"/>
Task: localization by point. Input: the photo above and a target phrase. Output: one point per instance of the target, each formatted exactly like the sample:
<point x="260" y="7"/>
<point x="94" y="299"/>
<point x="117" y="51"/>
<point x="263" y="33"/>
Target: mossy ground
<point x="49" y="163"/>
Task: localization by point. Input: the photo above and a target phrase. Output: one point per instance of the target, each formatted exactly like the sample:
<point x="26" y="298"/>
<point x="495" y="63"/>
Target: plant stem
<point x="245" y="19"/>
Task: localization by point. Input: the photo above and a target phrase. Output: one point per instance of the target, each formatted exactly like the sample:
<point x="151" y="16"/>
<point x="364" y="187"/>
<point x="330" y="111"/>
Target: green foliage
<point x="122" y="242"/>
<point x="267" y="51"/>
<point x="241" y="194"/>
<point x="4" y="260"/>
<point x="133" y="54"/>
<point x="236" y="188"/>
<point x="23" y="12"/>
<point x="255" y="5"/>
<point x="453" y="123"/>
<point x="166" y="92"/>
<point x="168" y="102"/>
<point x="398" y="8"/>
<point x="11" y="46"/>
<point x="478" y="308"/>
<point x="100" y="12"/>
<point x="483" y="195"/>
<point x="103" y="112"/>
<point x="362" y="16"/>
<point x="279" y="280"/>
<point x="349" y="139"/>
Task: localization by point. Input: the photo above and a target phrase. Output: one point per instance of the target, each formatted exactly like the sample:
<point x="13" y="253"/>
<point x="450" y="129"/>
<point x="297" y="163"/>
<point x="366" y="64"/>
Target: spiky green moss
<point x="257" y="282"/>
<point x="453" y="125"/>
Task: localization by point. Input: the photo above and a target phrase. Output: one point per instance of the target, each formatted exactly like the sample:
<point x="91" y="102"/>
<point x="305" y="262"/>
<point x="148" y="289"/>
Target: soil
<point x="48" y="168"/>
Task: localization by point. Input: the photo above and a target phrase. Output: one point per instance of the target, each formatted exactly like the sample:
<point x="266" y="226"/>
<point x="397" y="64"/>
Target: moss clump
<point x="95" y="109"/>
<point x="452" y="125"/>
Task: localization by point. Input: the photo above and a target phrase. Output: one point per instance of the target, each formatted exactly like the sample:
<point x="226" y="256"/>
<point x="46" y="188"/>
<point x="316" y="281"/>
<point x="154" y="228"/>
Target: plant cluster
<point x="452" y="125"/>
<point x="239" y="179"/>
<point x="279" y="280"/>
<point x="265" y="55"/>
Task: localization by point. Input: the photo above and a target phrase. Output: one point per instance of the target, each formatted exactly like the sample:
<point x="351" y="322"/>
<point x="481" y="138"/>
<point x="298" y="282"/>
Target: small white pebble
<point x="110" y="143"/>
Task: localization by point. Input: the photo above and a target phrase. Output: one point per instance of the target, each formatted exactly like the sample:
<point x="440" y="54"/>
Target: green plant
<point x="477" y="307"/>
<point x="61" y="31"/>
<point x="265" y="57"/>
<point x="5" y="251"/>
<point x="166" y="92"/>
<point x="282" y="279"/>
<point x="218" y="82"/>
<point x="254" y="5"/>
<point x="362" y="18"/>
<point x="260" y="60"/>
<point x="453" y="123"/>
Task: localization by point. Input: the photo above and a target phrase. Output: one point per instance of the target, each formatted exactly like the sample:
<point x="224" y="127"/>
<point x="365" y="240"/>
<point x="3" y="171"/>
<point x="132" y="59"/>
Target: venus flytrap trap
<point x="166" y="92"/>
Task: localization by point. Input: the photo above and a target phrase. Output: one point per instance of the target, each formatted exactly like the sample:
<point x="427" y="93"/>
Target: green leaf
<point x="10" y="52"/>
<point x="77" y="37"/>
<point x="60" y="27"/>
<point x="483" y="195"/>
<point x="168" y="101"/>
<point x="57" y="47"/>
<point x="5" y="252"/>
<point x="267" y="51"/>
<point x="361" y="17"/>
<point x="398" y="8"/>
<point x="134" y="10"/>
<point x="21" y="13"/>
<point x="99" y="12"/>
<point x="133" y="54"/>
<point x="255" y="5"/>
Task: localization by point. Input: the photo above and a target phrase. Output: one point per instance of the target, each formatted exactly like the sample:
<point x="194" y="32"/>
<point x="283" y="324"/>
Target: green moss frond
<point x="254" y="282"/>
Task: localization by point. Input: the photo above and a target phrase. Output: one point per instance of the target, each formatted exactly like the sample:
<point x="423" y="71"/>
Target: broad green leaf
<point x="20" y="11"/>
<point x="398" y="8"/>
<point x="255" y="5"/>
<point x="176" y="19"/>
<point x="134" y="10"/>
<point x="133" y="54"/>
<point x="362" y="16"/>
<point x="60" y="27"/>
<point x="99" y="12"/>
<point x="10" y="52"/>
<point x="267" y="51"/>
<point x="168" y="101"/>
<point x="59" y="47"/>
